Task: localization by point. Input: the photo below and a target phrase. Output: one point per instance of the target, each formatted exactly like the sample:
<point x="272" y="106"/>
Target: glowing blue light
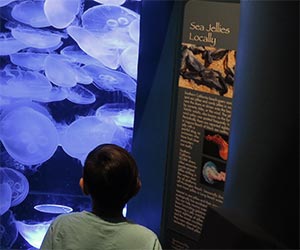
<point x="5" y="2"/>
<point x="28" y="135"/>
<point x="111" y="2"/>
<point x="5" y="194"/>
<point x="31" y="13"/>
<point x="33" y="233"/>
<point x="53" y="208"/>
<point x="61" y="13"/>
<point x="18" y="185"/>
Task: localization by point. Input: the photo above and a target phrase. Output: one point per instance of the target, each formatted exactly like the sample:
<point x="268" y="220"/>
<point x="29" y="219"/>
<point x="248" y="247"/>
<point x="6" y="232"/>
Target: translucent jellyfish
<point x="91" y="45"/>
<point x="33" y="233"/>
<point x="105" y="18"/>
<point x="56" y="94"/>
<point x="30" y="60"/>
<point x="129" y="60"/>
<point x="118" y="112"/>
<point x="75" y="54"/>
<point x="209" y="170"/>
<point x="111" y="80"/>
<point x="59" y="71"/>
<point x="9" y="44"/>
<point x="85" y="134"/>
<point x="53" y="208"/>
<point x="8" y="230"/>
<point x="17" y="182"/>
<point x="81" y="95"/>
<point x="134" y="30"/>
<point x="19" y="83"/>
<point x="31" y="13"/>
<point x="61" y="13"/>
<point x="28" y="136"/>
<point x="5" y="2"/>
<point x="5" y="194"/>
<point x="82" y="76"/>
<point x="111" y="2"/>
<point x="36" y="38"/>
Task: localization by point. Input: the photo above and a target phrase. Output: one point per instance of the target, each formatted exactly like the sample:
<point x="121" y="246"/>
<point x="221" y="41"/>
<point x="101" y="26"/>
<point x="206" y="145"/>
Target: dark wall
<point x="263" y="166"/>
<point x="158" y="49"/>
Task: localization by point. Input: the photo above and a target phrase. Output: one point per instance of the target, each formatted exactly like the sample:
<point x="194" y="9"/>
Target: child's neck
<point x="107" y="214"/>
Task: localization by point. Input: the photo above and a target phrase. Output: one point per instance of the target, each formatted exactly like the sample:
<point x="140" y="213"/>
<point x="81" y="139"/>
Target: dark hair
<point x="110" y="176"/>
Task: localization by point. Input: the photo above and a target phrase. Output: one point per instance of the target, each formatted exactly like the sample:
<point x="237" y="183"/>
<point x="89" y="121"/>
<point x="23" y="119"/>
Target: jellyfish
<point x="59" y="71"/>
<point x="36" y="38"/>
<point x="8" y="230"/>
<point x="84" y="134"/>
<point x="33" y="233"/>
<point x="19" y="83"/>
<point x="18" y="185"/>
<point x="82" y="76"/>
<point x="28" y="136"/>
<point x="117" y="112"/>
<point x="208" y="171"/>
<point x="105" y="18"/>
<point x="91" y="45"/>
<point x="53" y="208"/>
<point x="129" y="60"/>
<point x="134" y="30"/>
<point x="81" y="95"/>
<point x="111" y="2"/>
<point x="9" y="44"/>
<point x="29" y="60"/>
<point x="56" y="94"/>
<point x="111" y="80"/>
<point x="31" y="13"/>
<point x="61" y="13"/>
<point x="75" y="54"/>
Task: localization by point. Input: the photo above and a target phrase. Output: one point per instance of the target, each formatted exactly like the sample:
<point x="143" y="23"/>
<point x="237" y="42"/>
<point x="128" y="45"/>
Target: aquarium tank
<point x="68" y="80"/>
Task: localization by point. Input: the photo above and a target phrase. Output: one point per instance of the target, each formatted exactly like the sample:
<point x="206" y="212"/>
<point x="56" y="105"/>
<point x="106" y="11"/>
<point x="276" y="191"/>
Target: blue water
<point x="68" y="79"/>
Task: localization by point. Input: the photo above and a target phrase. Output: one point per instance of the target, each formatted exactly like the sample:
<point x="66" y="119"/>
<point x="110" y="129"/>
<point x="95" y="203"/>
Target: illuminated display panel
<point x="67" y="83"/>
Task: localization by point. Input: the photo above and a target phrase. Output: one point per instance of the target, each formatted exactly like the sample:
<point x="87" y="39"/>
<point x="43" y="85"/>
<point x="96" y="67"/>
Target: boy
<point x="110" y="177"/>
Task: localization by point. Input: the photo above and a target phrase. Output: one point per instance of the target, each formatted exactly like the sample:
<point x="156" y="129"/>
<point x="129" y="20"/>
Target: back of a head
<point x="110" y="176"/>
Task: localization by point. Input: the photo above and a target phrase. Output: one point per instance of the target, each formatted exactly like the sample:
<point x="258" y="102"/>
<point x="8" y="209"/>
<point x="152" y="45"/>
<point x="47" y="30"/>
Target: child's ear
<point x="138" y="186"/>
<point x="83" y="187"/>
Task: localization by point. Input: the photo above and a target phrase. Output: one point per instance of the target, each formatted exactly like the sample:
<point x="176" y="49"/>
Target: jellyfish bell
<point x="91" y="45"/>
<point x="61" y="13"/>
<point x="59" y="70"/>
<point x="129" y="60"/>
<point x="53" y="208"/>
<point x="81" y="95"/>
<point x="18" y="83"/>
<point x="84" y="134"/>
<point x="111" y="80"/>
<point x="29" y="60"/>
<point x="33" y="37"/>
<point x="118" y="112"/>
<point x="111" y="2"/>
<point x="17" y="182"/>
<point x="6" y="2"/>
<point x="209" y="169"/>
<point x="33" y="233"/>
<point x="105" y="18"/>
<point x="31" y="13"/>
<point x="28" y="136"/>
<point x="56" y="94"/>
<point x="134" y="30"/>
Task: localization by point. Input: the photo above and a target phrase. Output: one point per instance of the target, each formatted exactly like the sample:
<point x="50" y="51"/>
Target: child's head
<point x="110" y="176"/>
